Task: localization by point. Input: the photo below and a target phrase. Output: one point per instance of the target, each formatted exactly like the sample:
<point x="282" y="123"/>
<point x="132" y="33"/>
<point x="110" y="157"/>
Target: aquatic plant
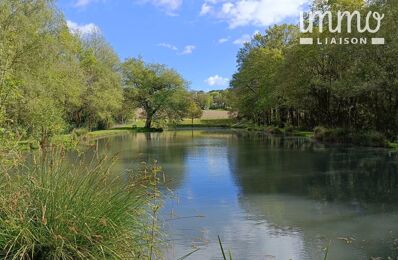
<point x="56" y="209"/>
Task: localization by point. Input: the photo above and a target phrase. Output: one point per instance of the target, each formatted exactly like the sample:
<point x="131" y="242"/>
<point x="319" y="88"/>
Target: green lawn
<point x="106" y="133"/>
<point x="206" y="123"/>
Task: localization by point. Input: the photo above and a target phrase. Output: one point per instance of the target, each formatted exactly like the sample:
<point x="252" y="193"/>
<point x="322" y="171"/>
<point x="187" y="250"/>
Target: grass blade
<point x="187" y="255"/>
<point x="327" y="251"/>
<point x="222" y="249"/>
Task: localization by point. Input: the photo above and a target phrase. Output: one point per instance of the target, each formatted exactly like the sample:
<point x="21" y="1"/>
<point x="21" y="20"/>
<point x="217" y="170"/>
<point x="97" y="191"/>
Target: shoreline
<point x="117" y="130"/>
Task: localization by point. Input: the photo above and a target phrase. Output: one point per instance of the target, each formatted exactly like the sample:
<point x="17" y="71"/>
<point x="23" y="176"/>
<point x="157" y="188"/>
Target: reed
<point x="57" y="209"/>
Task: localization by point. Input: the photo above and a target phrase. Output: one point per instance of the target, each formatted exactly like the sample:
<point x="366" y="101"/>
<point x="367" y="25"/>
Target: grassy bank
<point x="352" y="137"/>
<point x="327" y="135"/>
<point x="205" y="123"/>
<point x="333" y="136"/>
<point x="80" y="135"/>
<point x="57" y="209"/>
<point x="273" y="130"/>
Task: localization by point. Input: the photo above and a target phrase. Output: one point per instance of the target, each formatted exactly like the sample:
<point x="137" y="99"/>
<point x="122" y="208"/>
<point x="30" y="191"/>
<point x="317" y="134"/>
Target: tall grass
<point x="55" y="209"/>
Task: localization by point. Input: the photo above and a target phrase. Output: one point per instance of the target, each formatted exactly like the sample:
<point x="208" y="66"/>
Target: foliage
<point x="280" y="82"/>
<point x="102" y="96"/>
<point x="158" y="90"/>
<point x="220" y="99"/>
<point x="194" y="111"/>
<point x="45" y="120"/>
<point x="50" y="79"/>
<point x="54" y="211"/>
<point x="339" y="135"/>
<point x="202" y="99"/>
<point x="9" y="150"/>
<point x="80" y="132"/>
<point x="215" y="99"/>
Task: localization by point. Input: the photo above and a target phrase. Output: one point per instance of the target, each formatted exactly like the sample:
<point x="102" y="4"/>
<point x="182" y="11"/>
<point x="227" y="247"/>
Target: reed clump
<point x="58" y="209"/>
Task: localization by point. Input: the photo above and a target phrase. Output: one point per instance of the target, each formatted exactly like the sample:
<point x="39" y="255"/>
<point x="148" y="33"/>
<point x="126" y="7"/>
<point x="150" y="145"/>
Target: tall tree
<point x="338" y="86"/>
<point x="155" y="87"/>
<point x="102" y="95"/>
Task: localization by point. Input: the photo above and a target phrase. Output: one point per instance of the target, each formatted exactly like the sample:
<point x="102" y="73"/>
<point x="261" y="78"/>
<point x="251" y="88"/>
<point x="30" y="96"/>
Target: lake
<point x="268" y="197"/>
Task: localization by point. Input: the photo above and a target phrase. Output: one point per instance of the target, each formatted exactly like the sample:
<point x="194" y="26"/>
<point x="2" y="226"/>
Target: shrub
<point x="345" y="136"/>
<point x="320" y="133"/>
<point x="104" y="124"/>
<point x="80" y="132"/>
<point x="77" y="135"/>
<point x="71" y="211"/>
<point x="289" y="129"/>
<point x="371" y="138"/>
<point x="273" y="130"/>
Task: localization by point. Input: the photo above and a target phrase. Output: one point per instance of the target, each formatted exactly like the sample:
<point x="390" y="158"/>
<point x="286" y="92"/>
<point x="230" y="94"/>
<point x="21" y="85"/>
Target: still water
<point x="269" y="197"/>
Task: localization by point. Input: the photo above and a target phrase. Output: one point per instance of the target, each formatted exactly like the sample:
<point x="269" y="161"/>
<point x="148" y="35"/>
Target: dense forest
<point x="280" y="82"/>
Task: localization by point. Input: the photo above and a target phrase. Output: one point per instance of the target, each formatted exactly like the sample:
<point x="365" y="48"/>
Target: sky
<point x="198" y="38"/>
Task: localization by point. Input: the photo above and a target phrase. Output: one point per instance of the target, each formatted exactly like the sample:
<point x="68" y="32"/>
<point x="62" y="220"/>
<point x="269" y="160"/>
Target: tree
<point x="194" y="111"/>
<point x="103" y="95"/>
<point x="155" y="87"/>
<point x="353" y="87"/>
<point x="45" y="120"/>
<point x="202" y="99"/>
<point x="52" y="79"/>
<point x="254" y="84"/>
<point x="38" y="65"/>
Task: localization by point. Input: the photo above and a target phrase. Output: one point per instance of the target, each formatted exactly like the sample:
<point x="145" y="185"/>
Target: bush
<point x="79" y="132"/>
<point x="345" y="136"/>
<point x="289" y="129"/>
<point x="320" y="133"/>
<point x="273" y="130"/>
<point x="372" y="139"/>
<point x="70" y="211"/>
<point x="104" y="124"/>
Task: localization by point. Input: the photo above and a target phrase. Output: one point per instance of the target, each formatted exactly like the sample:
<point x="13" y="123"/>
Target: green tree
<point x="202" y="99"/>
<point x="156" y="88"/>
<point x="354" y="87"/>
<point x="38" y="62"/>
<point x="101" y="92"/>
<point x="194" y="111"/>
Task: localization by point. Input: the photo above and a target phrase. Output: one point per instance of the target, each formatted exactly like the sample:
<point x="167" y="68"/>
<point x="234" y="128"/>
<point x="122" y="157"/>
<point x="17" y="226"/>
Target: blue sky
<point x="199" y="38"/>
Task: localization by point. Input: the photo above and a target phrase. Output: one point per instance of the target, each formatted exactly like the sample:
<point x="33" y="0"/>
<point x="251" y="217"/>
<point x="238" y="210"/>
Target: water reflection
<point x="269" y="197"/>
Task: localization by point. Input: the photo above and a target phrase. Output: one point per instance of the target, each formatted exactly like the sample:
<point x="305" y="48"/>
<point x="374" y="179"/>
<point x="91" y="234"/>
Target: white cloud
<point x="257" y="12"/>
<point x="223" y="40"/>
<point x="245" y="38"/>
<point x="214" y="1"/>
<point x="206" y="9"/>
<point x="188" y="50"/>
<point x="80" y="3"/>
<point x="168" y="46"/>
<point x="169" y="6"/>
<point x="82" y="29"/>
<point x="217" y="80"/>
<point x="83" y="3"/>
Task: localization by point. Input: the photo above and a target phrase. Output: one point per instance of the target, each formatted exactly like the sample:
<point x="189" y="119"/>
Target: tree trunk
<point x="148" y="121"/>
